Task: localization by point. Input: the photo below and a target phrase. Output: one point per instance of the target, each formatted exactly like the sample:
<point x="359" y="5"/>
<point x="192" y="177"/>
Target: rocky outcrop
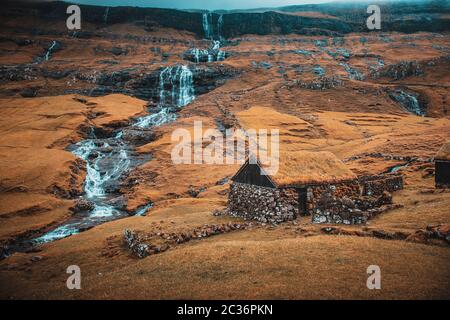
<point x="409" y="100"/>
<point x="398" y="71"/>
<point x="322" y="83"/>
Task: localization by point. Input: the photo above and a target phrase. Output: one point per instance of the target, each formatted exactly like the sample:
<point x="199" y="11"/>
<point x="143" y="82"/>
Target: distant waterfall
<point x="213" y="53"/>
<point x="207" y="25"/>
<point x="409" y="101"/>
<point x="219" y="26"/>
<point x="49" y="51"/>
<point x="105" y="16"/>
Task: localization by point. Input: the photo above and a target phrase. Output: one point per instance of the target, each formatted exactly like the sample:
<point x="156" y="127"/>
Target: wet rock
<point x="36" y="258"/>
<point x="138" y="136"/>
<point x="83" y="205"/>
<point x="205" y="55"/>
<point x="117" y="78"/>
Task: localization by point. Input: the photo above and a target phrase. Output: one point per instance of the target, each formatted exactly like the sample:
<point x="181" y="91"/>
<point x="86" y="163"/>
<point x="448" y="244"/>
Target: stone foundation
<point x="267" y="205"/>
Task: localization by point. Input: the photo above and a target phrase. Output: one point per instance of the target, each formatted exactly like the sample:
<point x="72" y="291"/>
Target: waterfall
<point x="409" y="101"/>
<point x="219" y="26"/>
<point x="105" y="16"/>
<point x="207" y="28"/>
<point x="196" y="53"/>
<point x="213" y="53"/>
<point x="180" y="81"/>
<point x="176" y="89"/>
<point x="186" y="88"/>
<point x="49" y="51"/>
<point x="216" y="45"/>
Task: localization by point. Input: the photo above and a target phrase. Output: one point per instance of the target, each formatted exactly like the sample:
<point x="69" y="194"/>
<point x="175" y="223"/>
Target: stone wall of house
<point x="332" y="209"/>
<point x="267" y="205"/>
<point x="351" y="202"/>
<point x="376" y="185"/>
<point x="359" y="203"/>
<point x="350" y="189"/>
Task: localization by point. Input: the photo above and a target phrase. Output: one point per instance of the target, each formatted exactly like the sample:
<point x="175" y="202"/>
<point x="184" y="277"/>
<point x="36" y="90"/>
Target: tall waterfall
<point x="219" y="26"/>
<point x="105" y="16"/>
<point x="207" y="25"/>
<point x="213" y="53"/>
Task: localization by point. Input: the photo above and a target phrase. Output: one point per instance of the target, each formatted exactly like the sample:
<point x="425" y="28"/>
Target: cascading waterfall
<point x="109" y="159"/>
<point x="180" y="80"/>
<point x="180" y="92"/>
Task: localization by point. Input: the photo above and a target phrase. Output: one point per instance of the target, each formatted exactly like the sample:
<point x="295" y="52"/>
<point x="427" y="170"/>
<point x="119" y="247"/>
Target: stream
<point x="109" y="159"/>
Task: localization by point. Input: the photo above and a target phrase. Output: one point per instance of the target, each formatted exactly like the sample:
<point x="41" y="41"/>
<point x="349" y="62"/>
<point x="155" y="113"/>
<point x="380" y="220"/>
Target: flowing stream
<point x="109" y="159"/>
<point x="49" y="51"/>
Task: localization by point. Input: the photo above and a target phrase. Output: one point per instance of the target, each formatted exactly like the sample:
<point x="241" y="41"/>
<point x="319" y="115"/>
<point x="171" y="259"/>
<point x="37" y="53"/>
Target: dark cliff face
<point x="346" y="18"/>
<point x="237" y="24"/>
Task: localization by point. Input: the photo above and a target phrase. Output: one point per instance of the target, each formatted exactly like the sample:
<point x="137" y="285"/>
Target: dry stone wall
<point x="267" y="205"/>
<point x="376" y="185"/>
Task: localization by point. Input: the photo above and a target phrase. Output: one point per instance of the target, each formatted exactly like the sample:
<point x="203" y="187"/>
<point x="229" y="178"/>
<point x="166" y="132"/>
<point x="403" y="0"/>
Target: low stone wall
<point x="376" y="185"/>
<point x="348" y="189"/>
<point x="267" y="205"/>
<point x="332" y="209"/>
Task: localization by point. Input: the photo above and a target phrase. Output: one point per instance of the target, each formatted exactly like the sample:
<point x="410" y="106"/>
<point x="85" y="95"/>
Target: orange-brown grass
<point x="229" y="267"/>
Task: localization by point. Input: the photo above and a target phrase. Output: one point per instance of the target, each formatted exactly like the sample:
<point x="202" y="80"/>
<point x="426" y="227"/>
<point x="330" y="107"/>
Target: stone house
<point x="442" y="166"/>
<point x="308" y="183"/>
